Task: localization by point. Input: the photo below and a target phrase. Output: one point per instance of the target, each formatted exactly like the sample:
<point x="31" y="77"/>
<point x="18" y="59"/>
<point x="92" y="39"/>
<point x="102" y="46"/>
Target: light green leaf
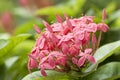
<point x="105" y="51"/>
<point x="51" y="75"/>
<point x="3" y="43"/>
<point x="102" y="53"/>
<point x="110" y="71"/>
<point x="12" y="42"/>
<point x="71" y="7"/>
<point x="27" y="27"/>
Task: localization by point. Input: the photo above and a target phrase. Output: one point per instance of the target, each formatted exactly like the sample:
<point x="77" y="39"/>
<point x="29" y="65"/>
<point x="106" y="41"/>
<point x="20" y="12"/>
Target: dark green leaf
<point x="110" y="71"/>
<point x="104" y="52"/>
<point x="51" y="75"/>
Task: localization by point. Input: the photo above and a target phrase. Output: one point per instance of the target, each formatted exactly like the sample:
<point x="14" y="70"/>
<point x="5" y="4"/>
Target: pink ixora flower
<point x="85" y="55"/>
<point x="66" y="43"/>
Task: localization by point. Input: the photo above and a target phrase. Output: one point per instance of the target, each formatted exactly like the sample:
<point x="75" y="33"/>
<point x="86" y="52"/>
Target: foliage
<point x="15" y="47"/>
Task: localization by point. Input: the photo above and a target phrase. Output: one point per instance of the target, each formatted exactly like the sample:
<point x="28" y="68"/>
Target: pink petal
<point x="57" y="27"/>
<point x="81" y="61"/>
<point x="73" y="50"/>
<point x="32" y="63"/>
<point x="66" y="30"/>
<point x="91" y="27"/>
<point x="65" y="48"/>
<point x="68" y="37"/>
<point x="59" y="19"/>
<point x="61" y="60"/>
<point x="48" y="26"/>
<point x="42" y="54"/>
<point x="104" y="14"/>
<point x="80" y="35"/>
<point x="81" y="53"/>
<point x="91" y="59"/>
<point x="43" y="60"/>
<point x="42" y="44"/>
<point x="47" y="66"/>
<point x="37" y="29"/>
<point x="102" y="27"/>
<point x="74" y="60"/>
<point x="88" y="51"/>
<point x="69" y="23"/>
<point x="43" y="72"/>
<point x="51" y="61"/>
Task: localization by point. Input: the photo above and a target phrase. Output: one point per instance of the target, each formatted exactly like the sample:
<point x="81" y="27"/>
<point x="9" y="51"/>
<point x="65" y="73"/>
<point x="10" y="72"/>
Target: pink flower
<point x="87" y="19"/>
<point x="74" y="50"/>
<point x="102" y="27"/>
<point x="85" y="55"/>
<point x="66" y="44"/>
<point x="51" y="61"/>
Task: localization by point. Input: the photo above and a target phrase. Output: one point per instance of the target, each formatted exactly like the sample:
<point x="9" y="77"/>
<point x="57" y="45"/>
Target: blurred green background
<point x="17" y="36"/>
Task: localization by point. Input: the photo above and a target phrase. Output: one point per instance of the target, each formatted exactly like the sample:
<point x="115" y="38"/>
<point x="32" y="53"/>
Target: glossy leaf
<point x="102" y="53"/>
<point x="110" y="71"/>
<point x="12" y="42"/>
<point x="18" y="61"/>
<point x="51" y="75"/>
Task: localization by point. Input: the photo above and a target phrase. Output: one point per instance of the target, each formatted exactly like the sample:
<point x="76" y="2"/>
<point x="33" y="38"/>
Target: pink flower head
<point x="85" y="55"/>
<point x="66" y="43"/>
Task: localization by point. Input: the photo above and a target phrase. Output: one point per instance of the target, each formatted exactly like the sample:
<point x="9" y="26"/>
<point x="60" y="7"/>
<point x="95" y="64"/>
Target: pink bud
<point x="74" y="60"/>
<point x="47" y="26"/>
<point x="24" y="2"/>
<point x="43" y="72"/>
<point x="103" y="15"/>
<point x="37" y="29"/>
<point x="6" y="18"/>
<point x="59" y="19"/>
<point x="102" y="27"/>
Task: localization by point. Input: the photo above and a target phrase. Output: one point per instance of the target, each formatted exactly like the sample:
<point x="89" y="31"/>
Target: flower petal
<point x="91" y="58"/>
<point x="88" y="51"/>
<point x="37" y="29"/>
<point x="43" y="72"/>
<point x="74" y="60"/>
<point x="59" y="19"/>
<point x="81" y="61"/>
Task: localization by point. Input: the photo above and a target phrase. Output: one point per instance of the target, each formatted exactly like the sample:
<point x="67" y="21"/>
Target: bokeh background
<point x="17" y="36"/>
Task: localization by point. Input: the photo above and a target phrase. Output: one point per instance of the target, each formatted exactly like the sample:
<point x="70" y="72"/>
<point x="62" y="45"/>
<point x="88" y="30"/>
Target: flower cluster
<point x="68" y="44"/>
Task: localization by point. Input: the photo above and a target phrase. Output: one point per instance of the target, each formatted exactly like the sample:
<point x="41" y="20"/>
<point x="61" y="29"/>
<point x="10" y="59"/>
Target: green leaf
<point x="71" y="8"/>
<point x="16" y="68"/>
<point x="27" y="27"/>
<point x="105" y="51"/>
<point x="2" y="43"/>
<point x="51" y="75"/>
<point x="12" y="42"/>
<point x="102" y="53"/>
<point x="109" y="71"/>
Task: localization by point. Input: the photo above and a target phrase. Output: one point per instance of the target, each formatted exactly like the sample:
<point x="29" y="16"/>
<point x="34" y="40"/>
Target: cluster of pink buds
<point x="68" y="45"/>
